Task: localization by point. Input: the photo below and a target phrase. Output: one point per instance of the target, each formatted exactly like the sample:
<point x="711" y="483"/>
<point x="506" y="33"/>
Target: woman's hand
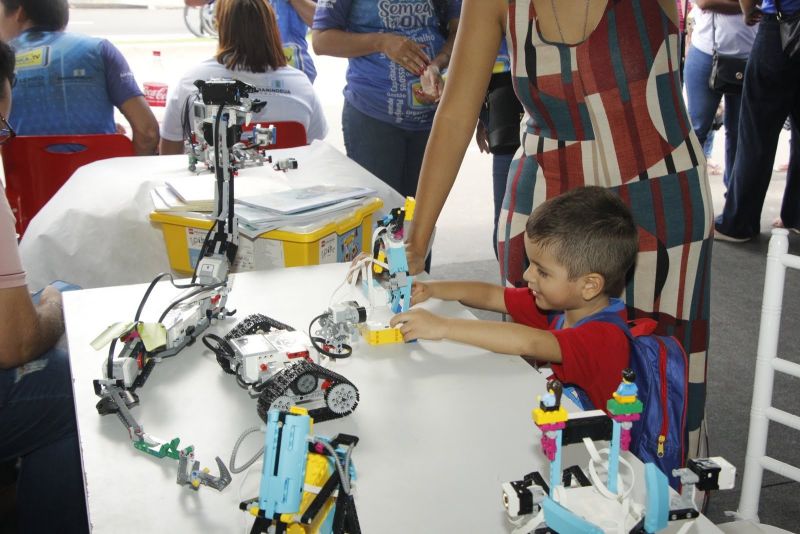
<point x="753" y="17"/>
<point x="405" y="52"/>
<point x="420" y="324"/>
<point x="482" y="137"/>
<point x="416" y="261"/>
<point x="432" y="85"/>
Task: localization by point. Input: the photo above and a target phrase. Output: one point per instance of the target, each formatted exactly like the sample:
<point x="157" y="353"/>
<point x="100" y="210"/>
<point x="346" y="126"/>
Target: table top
<point x="96" y="230"/>
<point x="441" y="425"/>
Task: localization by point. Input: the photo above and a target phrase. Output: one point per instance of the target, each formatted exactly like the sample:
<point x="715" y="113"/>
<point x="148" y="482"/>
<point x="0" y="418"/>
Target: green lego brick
<point x="617" y="408"/>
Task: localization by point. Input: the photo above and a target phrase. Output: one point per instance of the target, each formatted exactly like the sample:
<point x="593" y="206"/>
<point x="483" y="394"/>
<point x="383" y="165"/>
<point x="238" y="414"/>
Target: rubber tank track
<point x="255" y="323"/>
<point x="280" y="385"/>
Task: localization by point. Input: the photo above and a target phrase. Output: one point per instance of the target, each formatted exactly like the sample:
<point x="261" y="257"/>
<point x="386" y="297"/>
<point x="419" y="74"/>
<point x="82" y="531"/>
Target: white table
<point x="96" y="230"/>
<point x="441" y="425"/>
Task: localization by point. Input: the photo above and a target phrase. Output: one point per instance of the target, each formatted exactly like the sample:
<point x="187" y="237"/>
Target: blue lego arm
<point x="284" y="471"/>
<point x="657" y="514"/>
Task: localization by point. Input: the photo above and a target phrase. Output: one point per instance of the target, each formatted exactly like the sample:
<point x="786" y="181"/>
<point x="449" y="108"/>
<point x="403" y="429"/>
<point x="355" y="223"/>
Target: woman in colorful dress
<point x="599" y="80"/>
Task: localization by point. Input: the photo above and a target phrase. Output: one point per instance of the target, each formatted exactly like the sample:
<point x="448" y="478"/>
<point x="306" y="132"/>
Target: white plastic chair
<point x="761" y="410"/>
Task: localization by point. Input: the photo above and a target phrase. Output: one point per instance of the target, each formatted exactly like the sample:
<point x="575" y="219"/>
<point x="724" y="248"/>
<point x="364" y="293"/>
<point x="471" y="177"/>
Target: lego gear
<point x="341" y="395"/>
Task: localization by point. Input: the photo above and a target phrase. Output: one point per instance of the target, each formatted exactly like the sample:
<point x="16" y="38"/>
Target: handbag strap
<point x="713" y="34"/>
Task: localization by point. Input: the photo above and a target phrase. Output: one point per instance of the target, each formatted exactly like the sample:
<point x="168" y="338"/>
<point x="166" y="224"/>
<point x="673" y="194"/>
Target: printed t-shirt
<point x="68" y="84"/>
<point x="288" y="94"/>
<point x="293" y="38"/>
<point x="376" y="85"/>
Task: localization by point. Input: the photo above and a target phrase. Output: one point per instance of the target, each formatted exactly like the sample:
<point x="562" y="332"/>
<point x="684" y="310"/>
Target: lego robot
<point x="204" y="299"/>
<point x="273" y="362"/>
<point x="572" y="502"/>
<point x="306" y="481"/>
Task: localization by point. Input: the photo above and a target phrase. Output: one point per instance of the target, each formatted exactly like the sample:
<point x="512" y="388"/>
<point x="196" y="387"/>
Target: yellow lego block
<point x="541" y="417"/>
<point x="624" y="399"/>
<point x="377" y="334"/>
<point x="410" y="205"/>
<point x="378" y="269"/>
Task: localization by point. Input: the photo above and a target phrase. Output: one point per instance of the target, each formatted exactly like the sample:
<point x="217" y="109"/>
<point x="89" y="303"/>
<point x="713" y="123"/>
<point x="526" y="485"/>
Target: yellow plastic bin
<point x="338" y="240"/>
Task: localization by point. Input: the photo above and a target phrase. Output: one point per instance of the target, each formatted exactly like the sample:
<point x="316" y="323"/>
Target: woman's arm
<point x="305" y="8"/>
<point x="400" y="49"/>
<point x="477" y="41"/>
<point x="727" y="7"/>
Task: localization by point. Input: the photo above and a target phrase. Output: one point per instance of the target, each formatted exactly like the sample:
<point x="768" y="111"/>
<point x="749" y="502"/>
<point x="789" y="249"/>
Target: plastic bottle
<point x="155" y="92"/>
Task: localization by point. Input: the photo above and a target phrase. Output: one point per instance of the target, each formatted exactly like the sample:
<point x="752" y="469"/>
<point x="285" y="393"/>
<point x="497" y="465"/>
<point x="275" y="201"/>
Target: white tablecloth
<point x="96" y="230"/>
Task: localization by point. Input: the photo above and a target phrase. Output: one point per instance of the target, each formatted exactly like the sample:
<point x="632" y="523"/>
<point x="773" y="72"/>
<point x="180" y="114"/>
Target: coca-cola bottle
<point x="155" y="92"/>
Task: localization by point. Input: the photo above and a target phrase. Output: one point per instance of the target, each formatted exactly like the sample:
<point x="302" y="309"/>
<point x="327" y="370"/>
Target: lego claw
<point x="194" y="477"/>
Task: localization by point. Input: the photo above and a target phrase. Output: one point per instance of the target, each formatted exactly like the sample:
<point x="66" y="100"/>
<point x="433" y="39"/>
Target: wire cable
<point x="189" y="295"/>
<point x="320" y="343"/>
<point x="251" y="461"/>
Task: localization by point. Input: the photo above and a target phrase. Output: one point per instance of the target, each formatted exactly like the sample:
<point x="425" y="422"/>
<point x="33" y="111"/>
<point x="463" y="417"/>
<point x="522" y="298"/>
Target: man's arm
<point x="494" y="336"/>
<point x="727" y="7"/>
<point x="306" y="9"/>
<point x="27" y="331"/>
<point x="143" y="123"/>
<point x="170" y="148"/>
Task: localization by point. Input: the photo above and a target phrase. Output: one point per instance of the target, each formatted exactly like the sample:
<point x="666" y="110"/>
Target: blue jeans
<point x="37" y="424"/>
<point x="392" y="154"/>
<point x="771" y="92"/>
<point x="702" y="103"/>
<point x="500" y="165"/>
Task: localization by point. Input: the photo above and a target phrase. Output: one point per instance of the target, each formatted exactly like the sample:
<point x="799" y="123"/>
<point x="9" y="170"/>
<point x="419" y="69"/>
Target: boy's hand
<point x="420" y="292"/>
<point x="420" y="324"/>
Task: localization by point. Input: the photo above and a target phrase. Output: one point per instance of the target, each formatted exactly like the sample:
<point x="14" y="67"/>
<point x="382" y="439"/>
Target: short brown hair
<point x="588" y="230"/>
<point x="49" y="15"/>
<point x="249" y="38"/>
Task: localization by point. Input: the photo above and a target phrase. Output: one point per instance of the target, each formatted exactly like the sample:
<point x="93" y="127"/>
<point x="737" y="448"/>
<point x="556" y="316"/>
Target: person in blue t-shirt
<point x="396" y="51"/>
<point x="69" y="83"/>
<point x="294" y="18"/>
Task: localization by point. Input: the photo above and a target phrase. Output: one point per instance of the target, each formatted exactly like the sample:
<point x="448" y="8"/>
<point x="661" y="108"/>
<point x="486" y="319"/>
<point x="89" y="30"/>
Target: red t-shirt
<point x="593" y="354"/>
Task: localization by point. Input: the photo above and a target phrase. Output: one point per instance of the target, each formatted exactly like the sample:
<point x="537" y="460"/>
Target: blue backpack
<point x="662" y="379"/>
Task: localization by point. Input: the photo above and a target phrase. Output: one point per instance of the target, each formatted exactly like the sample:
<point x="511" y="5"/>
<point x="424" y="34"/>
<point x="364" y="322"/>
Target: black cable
<point x="188" y="296"/>
<point x="150" y="289"/>
<point x="319" y="342"/>
<point x="223" y="348"/>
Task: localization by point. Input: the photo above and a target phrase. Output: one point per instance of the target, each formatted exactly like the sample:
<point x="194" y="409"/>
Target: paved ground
<point x="466" y="218"/>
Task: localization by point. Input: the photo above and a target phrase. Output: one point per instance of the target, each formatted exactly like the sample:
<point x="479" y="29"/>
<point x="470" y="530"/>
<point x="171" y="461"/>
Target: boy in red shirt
<point x="581" y="246"/>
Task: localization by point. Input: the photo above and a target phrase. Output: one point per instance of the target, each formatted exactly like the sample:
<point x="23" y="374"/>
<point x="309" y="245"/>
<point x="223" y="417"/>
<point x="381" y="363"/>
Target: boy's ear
<point x="593" y="285"/>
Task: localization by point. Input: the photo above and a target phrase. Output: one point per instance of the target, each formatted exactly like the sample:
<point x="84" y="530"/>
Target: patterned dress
<point x="609" y="111"/>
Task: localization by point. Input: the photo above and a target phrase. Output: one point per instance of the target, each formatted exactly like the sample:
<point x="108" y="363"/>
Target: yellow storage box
<point x="331" y="241"/>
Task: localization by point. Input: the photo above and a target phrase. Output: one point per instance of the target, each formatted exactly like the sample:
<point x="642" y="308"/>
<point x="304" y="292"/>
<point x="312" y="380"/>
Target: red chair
<point x="289" y="134"/>
<point x="36" y="166"/>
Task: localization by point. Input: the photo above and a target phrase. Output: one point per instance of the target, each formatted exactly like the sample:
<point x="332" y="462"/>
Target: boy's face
<point x="549" y="280"/>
